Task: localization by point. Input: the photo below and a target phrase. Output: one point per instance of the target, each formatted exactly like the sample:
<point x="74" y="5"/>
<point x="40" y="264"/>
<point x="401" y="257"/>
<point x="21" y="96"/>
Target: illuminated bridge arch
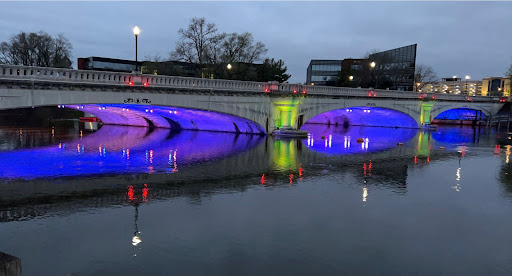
<point x="365" y="116"/>
<point x="457" y="111"/>
<point x="169" y="117"/>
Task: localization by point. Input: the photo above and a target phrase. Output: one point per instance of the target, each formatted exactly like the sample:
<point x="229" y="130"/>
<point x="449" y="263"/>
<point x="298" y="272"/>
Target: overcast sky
<point x="455" y="38"/>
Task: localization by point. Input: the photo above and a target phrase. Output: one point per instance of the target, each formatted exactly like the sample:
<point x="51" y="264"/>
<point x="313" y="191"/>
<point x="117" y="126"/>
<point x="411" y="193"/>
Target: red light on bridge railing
<point x="294" y="91"/>
<point x="130" y="83"/>
<point x="303" y="91"/>
<point x="468" y="98"/>
<point x="266" y="90"/>
<point x="421" y="96"/>
<point x="145" y="84"/>
<point x="433" y="97"/>
<point x="375" y="94"/>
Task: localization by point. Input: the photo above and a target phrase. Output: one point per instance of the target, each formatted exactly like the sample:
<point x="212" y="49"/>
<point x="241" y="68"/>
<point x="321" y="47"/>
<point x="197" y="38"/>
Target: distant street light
<point x="467" y="78"/>
<point x="229" y="66"/>
<point x="372" y="66"/>
<point x="418" y="86"/>
<point x="136" y="32"/>
<point x="351" y="78"/>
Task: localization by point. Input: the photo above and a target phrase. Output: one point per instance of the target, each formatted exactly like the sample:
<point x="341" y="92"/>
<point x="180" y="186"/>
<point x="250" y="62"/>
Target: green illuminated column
<point x="425" y="112"/>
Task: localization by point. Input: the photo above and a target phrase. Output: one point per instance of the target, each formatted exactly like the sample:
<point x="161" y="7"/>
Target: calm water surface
<point x="136" y="201"/>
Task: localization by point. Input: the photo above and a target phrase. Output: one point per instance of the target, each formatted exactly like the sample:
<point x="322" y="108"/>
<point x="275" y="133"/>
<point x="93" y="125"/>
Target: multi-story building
<point x="496" y="86"/>
<point x="393" y="69"/>
<point x="323" y="72"/>
<point x="452" y="85"/>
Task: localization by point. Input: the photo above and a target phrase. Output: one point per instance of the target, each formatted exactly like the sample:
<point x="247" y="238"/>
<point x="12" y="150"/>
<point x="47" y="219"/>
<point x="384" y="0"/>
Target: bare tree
<point x="37" y="49"/>
<point x="424" y="75"/>
<point x="201" y="43"/>
<point x="241" y="48"/>
<point x="196" y="41"/>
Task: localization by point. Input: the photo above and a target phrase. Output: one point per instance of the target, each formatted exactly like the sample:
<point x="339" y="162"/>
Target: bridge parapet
<point x="106" y="78"/>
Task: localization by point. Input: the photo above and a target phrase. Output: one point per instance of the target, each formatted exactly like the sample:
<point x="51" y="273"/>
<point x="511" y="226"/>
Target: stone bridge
<point x="222" y="105"/>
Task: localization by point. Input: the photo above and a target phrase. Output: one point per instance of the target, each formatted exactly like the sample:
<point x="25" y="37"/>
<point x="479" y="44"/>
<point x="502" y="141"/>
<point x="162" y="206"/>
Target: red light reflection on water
<point x="131" y="193"/>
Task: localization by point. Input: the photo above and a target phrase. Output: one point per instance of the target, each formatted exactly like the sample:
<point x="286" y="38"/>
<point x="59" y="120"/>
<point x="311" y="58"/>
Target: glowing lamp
<point x="136" y="31"/>
<point x="145" y="84"/>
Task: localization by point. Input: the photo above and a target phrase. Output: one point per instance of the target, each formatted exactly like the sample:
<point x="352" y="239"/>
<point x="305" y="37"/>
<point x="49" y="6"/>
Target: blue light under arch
<point x="461" y="114"/>
<point x="365" y="116"/>
<point x="169" y="116"/>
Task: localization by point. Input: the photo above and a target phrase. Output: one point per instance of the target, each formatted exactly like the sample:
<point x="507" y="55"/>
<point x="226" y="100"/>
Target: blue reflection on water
<point x="340" y="140"/>
<point x="458" y="135"/>
<point x="119" y="150"/>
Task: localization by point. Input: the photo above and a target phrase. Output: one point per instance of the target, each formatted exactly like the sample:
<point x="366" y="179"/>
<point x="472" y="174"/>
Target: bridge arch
<point x="444" y="109"/>
<point x="365" y="116"/>
<point x="169" y="117"/>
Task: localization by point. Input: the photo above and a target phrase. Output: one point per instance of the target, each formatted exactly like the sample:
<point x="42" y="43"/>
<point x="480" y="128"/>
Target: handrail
<point x="33" y="73"/>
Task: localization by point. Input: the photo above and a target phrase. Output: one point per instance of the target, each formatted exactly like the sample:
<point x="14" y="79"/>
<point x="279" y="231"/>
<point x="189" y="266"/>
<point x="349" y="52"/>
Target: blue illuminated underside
<point x="365" y="116"/>
<point x="169" y="117"/>
<point x="461" y="114"/>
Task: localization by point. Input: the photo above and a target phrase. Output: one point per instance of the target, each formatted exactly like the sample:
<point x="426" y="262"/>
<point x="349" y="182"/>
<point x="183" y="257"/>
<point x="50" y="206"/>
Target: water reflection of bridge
<point x="206" y="173"/>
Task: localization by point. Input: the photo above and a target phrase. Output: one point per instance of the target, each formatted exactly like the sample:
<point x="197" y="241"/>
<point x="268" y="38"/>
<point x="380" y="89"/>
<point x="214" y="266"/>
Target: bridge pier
<point x="425" y="116"/>
<point x="9" y="265"/>
<point x="284" y="112"/>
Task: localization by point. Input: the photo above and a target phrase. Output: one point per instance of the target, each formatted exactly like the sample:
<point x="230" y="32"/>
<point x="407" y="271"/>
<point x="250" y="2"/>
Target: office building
<point x="453" y="85"/>
<point x="394" y="69"/>
<point x="323" y="72"/>
<point x="496" y="86"/>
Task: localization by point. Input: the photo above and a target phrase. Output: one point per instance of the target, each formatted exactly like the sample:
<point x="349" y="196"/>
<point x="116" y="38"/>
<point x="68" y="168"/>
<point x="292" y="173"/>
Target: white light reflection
<point x="365" y="194"/>
<point x="457" y="187"/>
<point x="310" y="140"/>
<point x="507" y="152"/>
<point x="364" y="145"/>
<point x="136" y="240"/>
<point x="346" y="142"/>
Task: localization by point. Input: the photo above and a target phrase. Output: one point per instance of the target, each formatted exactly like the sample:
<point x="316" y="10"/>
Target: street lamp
<point x="418" y="86"/>
<point x="351" y="78"/>
<point x="229" y="66"/>
<point x="372" y="66"/>
<point x="467" y="78"/>
<point x="136" y="32"/>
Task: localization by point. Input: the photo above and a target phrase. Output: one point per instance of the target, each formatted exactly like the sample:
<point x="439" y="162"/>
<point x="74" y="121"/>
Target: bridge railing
<point x="48" y="74"/>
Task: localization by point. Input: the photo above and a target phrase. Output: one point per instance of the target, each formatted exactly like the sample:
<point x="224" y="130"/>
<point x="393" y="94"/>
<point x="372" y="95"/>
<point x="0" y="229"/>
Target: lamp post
<point x="372" y="66"/>
<point x="467" y="78"/>
<point x="418" y="86"/>
<point x="136" y="32"/>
